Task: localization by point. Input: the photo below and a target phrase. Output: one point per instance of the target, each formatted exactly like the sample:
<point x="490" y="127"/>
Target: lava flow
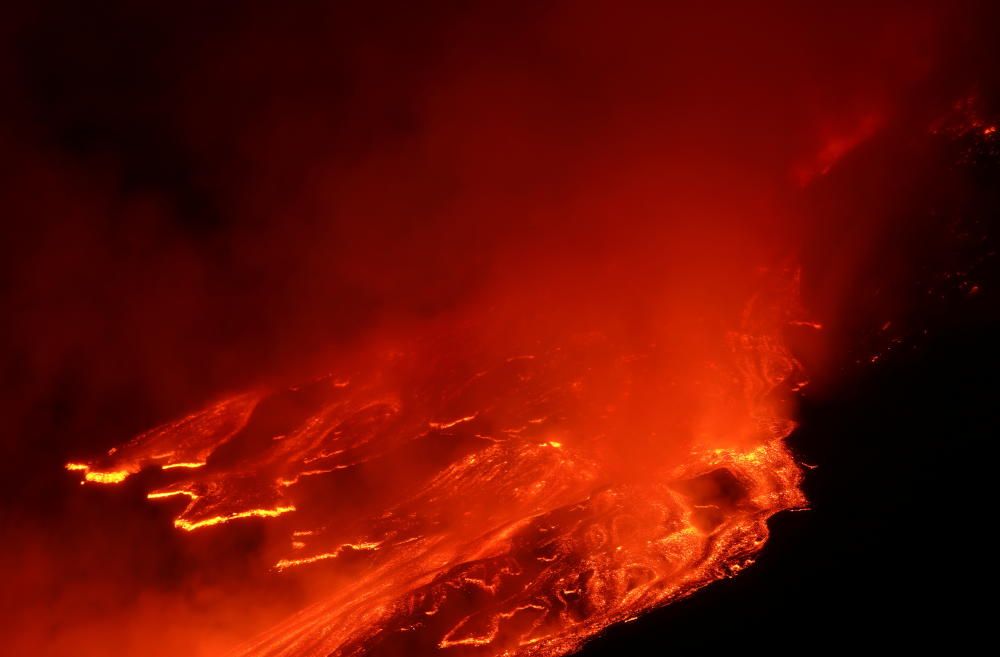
<point x="474" y="502"/>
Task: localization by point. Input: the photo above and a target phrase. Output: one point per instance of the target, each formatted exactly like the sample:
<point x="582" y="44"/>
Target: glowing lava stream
<point x="525" y="503"/>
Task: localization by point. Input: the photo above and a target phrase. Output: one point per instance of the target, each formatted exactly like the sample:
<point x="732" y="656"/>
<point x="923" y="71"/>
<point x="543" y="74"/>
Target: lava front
<point x="475" y="501"/>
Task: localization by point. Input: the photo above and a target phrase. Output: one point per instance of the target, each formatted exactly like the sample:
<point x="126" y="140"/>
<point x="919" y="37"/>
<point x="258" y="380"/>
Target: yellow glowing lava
<point x="187" y="525"/>
<point x="115" y="477"/>
<point x="192" y="465"/>
<point x="360" y="547"/>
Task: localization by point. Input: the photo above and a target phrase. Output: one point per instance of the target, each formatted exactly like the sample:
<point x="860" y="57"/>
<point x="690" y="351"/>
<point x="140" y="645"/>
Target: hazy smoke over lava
<point x="207" y="203"/>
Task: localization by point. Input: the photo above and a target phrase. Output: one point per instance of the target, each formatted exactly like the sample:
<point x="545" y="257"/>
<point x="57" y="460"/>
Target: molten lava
<point x="468" y="502"/>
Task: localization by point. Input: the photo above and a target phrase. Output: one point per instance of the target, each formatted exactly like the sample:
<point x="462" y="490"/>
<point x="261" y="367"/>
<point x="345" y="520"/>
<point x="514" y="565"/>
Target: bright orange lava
<point x="493" y="505"/>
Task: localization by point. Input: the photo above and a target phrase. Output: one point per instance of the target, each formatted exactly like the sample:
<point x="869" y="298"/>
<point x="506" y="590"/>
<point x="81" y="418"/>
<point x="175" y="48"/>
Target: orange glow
<point x="558" y="495"/>
<point x="465" y="331"/>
